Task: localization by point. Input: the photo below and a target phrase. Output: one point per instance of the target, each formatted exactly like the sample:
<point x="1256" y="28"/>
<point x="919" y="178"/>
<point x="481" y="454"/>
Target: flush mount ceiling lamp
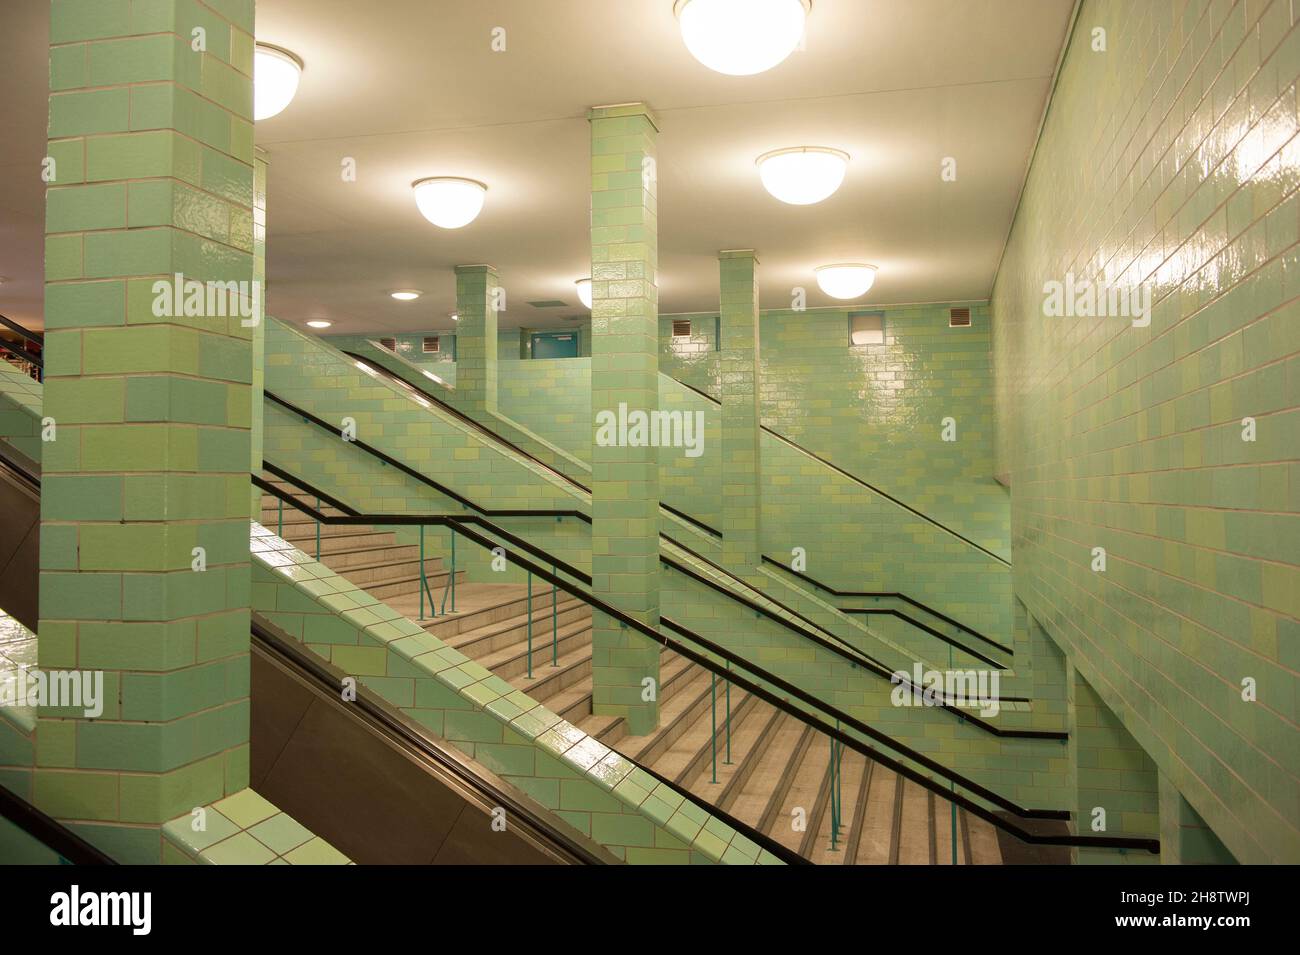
<point x="319" y="323"/>
<point x="846" y="280"/>
<point x="741" y="37"/>
<point x="276" y="72"/>
<point x="584" y="291"/>
<point x="406" y="294"/>
<point x="803" y="175"/>
<point x="449" y="202"/>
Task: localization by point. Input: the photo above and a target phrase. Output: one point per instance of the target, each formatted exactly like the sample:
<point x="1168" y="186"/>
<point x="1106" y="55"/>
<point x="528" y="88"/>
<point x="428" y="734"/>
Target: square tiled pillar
<point x="624" y="371"/>
<point x="742" y="547"/>
<point x="145" y="491"/>
<point x="476" y="336"/>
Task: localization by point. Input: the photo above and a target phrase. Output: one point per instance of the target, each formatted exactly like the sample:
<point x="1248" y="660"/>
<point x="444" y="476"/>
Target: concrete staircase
<point x="778" y="770"/>
<point x="371" y="558"/>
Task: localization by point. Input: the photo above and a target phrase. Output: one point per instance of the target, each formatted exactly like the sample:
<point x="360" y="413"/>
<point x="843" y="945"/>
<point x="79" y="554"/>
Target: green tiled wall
<point x="877" y="410"/>
<point x="741" y="465"/>
<point x="1171" y="160"/>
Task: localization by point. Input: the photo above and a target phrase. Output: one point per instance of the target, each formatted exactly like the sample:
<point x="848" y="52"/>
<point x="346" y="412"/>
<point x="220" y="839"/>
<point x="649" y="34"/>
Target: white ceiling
<point x="413" y="88"/>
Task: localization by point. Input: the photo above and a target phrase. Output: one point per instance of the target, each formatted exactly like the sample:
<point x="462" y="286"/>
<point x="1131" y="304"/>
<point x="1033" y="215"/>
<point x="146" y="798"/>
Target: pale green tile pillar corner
<point x="1185" y="838"/>
<point x="476" y="336"/>
<point x="1112" y="772"/>
<point x="153" y="146"/>
<point x="741" y="422"/>
<point x="259" y="330"/>
<point x="625" y="371"/>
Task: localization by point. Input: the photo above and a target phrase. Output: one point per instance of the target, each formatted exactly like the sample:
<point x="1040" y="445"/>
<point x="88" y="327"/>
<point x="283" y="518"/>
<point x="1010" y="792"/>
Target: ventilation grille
<point x="681" y="328"/>
<point x="550" y="303"/>
<point x="389" y="343"/>
<point x="959" y="318"/>
<point x="431" y="345"/>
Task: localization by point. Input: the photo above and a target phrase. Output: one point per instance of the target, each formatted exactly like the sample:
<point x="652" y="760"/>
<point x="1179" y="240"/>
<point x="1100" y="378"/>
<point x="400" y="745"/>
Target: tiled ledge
<point x="587" y="785"/>
<point x="245" y="829"/>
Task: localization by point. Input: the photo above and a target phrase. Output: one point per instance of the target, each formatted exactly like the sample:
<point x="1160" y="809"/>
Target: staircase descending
<point x="773" y="767"/>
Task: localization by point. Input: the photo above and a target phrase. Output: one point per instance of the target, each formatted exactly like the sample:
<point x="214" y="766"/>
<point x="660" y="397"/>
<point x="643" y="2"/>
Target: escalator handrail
<point x="780" y="703"/>
<point x="34" y="337"/>
<point x="405" y="735"/>
<point x="49" y="832"/>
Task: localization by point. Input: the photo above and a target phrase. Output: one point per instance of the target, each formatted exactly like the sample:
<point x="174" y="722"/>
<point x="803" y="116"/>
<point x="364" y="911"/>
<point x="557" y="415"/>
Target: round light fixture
<point x="406" y="294"/>
<point x="804" y="174"/>
<point x="741" y="37"/>
<point x="275" y="80"/>
<point x="449" y="202"/>
<point x="319" y="323"/>
<point x="584" y="292"/>
<point x="848" y="280"/>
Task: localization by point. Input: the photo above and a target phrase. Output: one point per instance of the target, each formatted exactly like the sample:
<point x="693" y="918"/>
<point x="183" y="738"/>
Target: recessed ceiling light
<point x="276" y="73"/>
<point x="846" y="280"/>
<point x="803" y="175"/>
<point x="319" y="323"/>
<point x="455" y="317"/>
<point x="741" y="37"/>
<point x="449" y="202"/>
<point x="584" y="291"/>
<point x="406" y="294"/>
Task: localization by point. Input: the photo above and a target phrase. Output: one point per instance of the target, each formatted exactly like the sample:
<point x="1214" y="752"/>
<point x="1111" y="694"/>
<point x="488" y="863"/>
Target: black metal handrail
<point x="832" y="643"/>
<point x="756" y="686"/>
<point x="506" y="442"/>
<point x="826" y="588"/>
<point x="857" y="480"/>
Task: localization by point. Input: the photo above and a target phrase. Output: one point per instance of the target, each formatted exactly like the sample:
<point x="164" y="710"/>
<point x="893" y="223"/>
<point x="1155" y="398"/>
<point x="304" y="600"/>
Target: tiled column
<point x="259" y="330"/>
<point x="742" y="546"/>
<point x="625" y="370"/>
<point x="476" y="336"/>
<point x="154" y="149"/>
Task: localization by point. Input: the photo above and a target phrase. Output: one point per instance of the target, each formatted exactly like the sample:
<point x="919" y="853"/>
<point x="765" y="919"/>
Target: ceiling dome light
<point x="846" y="280"/>
<point x="449" y="202"/>
<point x="275" y="80"/>
<point x="584" y="292"/>
<point x="406" y="294"/>
<point x="319" y="323"/>
<point x="804" y="174"/>
<point x="741" y="37"/>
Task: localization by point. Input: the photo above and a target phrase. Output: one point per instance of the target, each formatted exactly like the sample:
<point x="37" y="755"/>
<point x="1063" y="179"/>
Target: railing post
<point x="421" y="572"/>
<point x="530" y="624"/>
<point x="727" y="689"/>
<point x="555" y="650"/>
<point x="279" y="521"/>
<point x="318" y="531"/>
<point x="952" y="786"/>
<point x="713" y="704"/>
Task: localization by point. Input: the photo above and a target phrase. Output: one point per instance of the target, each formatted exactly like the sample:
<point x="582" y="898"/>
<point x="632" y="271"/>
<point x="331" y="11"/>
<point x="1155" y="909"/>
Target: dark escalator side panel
<point x="346" y="780"/>
<point x="20" y="535"/>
